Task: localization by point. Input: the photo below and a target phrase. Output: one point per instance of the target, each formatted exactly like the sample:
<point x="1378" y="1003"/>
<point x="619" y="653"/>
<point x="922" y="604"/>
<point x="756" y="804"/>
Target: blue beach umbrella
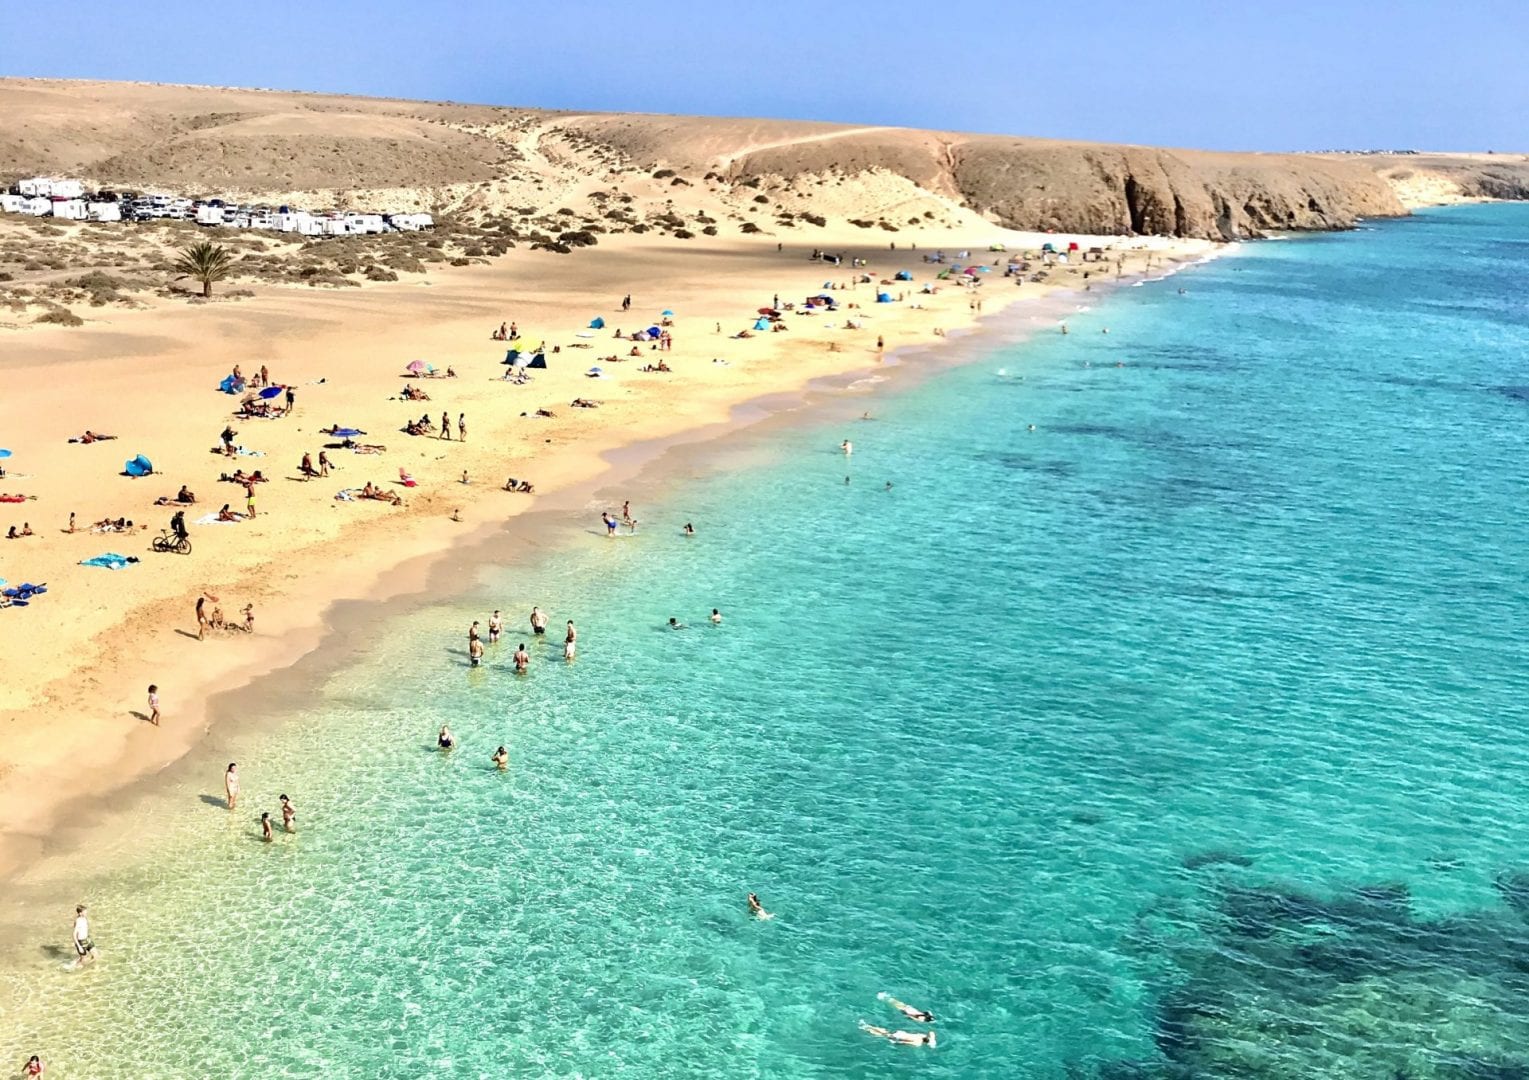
<point x="666" y="311"/>
<point x="270" y="392"/>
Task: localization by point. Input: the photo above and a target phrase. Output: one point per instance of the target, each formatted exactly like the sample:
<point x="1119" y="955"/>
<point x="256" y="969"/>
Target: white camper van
<point x="69" y="189"/>
<point x="103" y="211"/>
<point x="12" y="204"/>
<point x="209" y="215"/>
<point x="36" y="185"/>
<point x="38" y="206"/>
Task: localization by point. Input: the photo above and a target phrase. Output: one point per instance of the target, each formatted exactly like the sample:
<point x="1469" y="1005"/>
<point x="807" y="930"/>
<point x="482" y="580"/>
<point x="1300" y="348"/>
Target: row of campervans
<point x="67" y="199"/>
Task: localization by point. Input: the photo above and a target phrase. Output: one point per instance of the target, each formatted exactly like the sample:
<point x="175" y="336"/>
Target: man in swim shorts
<point x="538" y="621"/>
<point x="495" y="625"/>
<point x="522" y="659"/>
<point x="84" y="948"/>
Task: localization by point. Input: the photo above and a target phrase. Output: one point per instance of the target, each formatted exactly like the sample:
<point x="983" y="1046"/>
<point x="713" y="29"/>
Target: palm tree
<point x="206" y="262"/>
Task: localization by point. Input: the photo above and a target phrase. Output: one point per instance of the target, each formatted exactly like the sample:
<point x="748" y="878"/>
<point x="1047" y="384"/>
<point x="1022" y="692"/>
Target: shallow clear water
<point x="1181" y="736"/>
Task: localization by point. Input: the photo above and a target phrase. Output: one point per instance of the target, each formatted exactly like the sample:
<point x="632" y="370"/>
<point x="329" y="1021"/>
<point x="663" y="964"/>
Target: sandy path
<point x="726" y="160"/>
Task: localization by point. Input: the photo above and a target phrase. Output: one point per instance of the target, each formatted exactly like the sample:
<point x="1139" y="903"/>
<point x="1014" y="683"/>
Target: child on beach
<point x="154" y="704"/>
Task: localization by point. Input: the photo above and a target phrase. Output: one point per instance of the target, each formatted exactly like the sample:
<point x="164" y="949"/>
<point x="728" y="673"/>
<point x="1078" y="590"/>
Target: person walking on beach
<point x="288" y="814"/>
<point x="495" y="626"/>
<point x="522" y="659"/>
<point x="570" y="642"/>
<point x="461" y="427"/>
<point x="265" y="827"/>
<point x="323" y="463"/>
<point x="154" y="704"/>
<point x="84" y="948"/>
<point x="446" y="426"/>
<point x="231" y="785"/>
<point x="538" y="621"/>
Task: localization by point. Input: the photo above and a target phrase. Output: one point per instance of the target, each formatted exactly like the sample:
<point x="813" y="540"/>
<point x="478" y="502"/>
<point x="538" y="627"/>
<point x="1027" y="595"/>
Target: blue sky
<point x="1276" y="75"/>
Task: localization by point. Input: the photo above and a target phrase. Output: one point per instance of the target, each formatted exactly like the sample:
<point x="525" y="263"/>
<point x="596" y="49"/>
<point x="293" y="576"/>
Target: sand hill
<point x="489" y="162"/>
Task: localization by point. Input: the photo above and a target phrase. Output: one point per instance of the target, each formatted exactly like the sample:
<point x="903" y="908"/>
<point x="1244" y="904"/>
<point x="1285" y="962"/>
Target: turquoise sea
<point x="1183" y="736"/>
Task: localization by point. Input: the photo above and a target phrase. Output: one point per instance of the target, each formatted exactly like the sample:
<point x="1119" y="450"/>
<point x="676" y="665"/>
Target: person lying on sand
<point x="413" y="393"/>
<point x="92" y="437"/>
<point x="584" y="403"/>
<point x="372" y="491"/>
<point x="660" y="366"/>
<point x="522" y="487"/>
<point x="112" y="525"/>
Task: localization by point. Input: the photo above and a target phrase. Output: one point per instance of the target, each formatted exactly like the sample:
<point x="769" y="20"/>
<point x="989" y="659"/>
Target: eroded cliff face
<point x="1126" y="190"/>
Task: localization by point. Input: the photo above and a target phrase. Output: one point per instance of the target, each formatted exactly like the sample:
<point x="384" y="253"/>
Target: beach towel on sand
<point x="110" y="561"/>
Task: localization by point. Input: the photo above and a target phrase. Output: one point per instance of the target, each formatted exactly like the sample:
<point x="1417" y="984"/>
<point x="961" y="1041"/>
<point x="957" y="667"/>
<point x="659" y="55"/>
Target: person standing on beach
<point x="522" y="659"/>
<point x="570" y="642"/>
<point x="71" y="522"/>
<point x="154" y="704"/>
<point x="84" y="948"/>
<point x="323" y="463"/>
<point x="288" y="814"/>
<point x="249" y="498"/>
<point x="495" y="626"/>
<point x="461" y="427"/>
<point x="249" y="618"/>
<point x="446" y="426"/>
<point x="538" y="621"/>
<point x="475" y="652"/>
<point x="265" y="827"/>
<point x="201" y="616"/>
<point x="291" y="400"/>
<point x="231" y="784"/>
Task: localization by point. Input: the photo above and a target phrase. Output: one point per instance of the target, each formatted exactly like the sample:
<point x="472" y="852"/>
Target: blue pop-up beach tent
<point x="903" y="275"/>
<point x="511" y="356"/>
<point x="883" y="298"/>
<point x="138" y="466"/>
<point x="538" y="361"/>
<point x="597" y="323"/>
<point x="761" y="323"/>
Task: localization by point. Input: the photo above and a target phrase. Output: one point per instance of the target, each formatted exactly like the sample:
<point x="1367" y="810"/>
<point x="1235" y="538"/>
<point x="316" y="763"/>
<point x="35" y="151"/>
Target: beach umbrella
<point x="654" y="331"/>
<point x="595" y="371"/>
<point x="416" y="366"/>
<point x="271" y="391"/>
<point x="667" y="312"/>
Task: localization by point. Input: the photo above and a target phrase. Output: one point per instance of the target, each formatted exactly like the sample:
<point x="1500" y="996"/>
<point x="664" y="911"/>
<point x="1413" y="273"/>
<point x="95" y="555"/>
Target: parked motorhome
<point x="103" y="211"/>
<point x="12" y="204"/>
<point x="209" y="215"/>
<point x="38" y="206"/>
<point x="69" y="209"/>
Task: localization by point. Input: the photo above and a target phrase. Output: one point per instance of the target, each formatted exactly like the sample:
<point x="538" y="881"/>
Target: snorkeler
<point x="756" y="909"/>
<point x="902" y="1038"/>
<point x="907" y="1010"/>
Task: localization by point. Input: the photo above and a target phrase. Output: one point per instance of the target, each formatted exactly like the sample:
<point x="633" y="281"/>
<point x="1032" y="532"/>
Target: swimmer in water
<point x="675" y="624"/>
<point x="265" y="827"/>
<point x="848" y="447"/>
<point x="689" y="529"/>
<point x="288" y="815"/>
<point x="716" y="617"/>
<point x="907" y="1010"/>
<point x="756" y="909"/>
<point x="902" y="1038"/>
<point x="501" y="759"/>
<point x="445" y="740"/>
<point x="522" y="659"/>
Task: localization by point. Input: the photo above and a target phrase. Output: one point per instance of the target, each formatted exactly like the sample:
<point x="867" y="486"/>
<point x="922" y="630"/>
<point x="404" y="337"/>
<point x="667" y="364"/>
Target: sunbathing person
<point x="185" y="496"/>
<point x="92" y="437"/>
<point x="584" y="403"/>
<point x="226" y="514"/>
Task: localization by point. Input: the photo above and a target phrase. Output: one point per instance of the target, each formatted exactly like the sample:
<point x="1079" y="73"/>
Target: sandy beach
<point x="76" y="664"/>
